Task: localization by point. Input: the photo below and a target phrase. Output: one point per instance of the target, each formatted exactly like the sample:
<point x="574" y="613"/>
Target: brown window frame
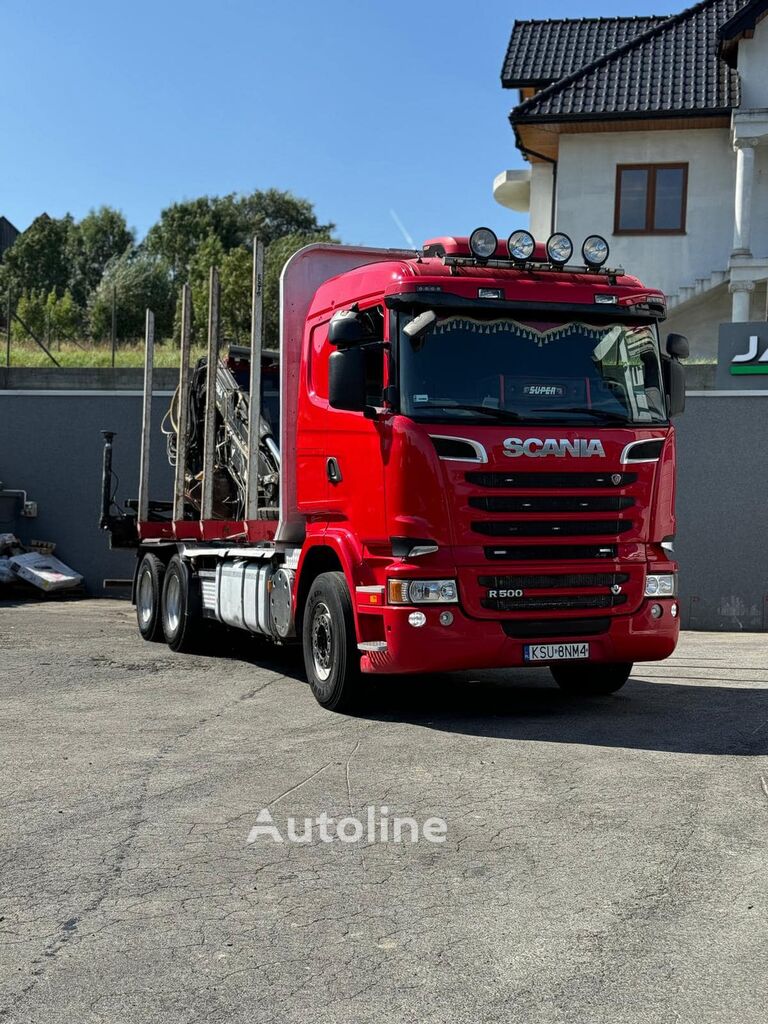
<point x="650" y="200"/>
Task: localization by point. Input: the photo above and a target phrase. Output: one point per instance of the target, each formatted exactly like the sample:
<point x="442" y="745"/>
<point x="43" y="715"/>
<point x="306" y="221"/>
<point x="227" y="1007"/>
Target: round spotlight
<point x="483" y="243"/>
<point x="417" y="619"/>
<point x="673" y="611"/>
<point x="520" y="245"/>
<point x="595" y="250"/>
<point x="559" y="248"/>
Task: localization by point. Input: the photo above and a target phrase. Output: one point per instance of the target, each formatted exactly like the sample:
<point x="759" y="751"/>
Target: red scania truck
<point x="459" y="458"/>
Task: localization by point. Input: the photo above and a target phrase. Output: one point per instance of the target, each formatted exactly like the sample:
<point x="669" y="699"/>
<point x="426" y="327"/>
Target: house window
<point x="650" y="199"/>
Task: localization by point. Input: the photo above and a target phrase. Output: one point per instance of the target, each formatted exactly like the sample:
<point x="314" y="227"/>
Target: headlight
<point x="661" y="585"/>
<point x="559" y="248"/>
<point x="422" y="591"/>
<point x="483" y="243"/>
<point x="520" y="245"/>
<point x="595" y="250"/>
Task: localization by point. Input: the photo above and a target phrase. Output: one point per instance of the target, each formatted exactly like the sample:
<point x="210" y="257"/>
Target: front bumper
<point x="481" y="644"/>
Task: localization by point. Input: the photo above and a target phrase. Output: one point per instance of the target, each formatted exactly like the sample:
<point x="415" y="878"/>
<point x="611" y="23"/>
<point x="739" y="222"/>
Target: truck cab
<point x="476" y="470"/>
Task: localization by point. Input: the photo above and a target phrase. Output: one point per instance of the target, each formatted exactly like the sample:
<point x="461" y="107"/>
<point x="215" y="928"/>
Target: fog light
<point x="446" y="618"/>
<point x="656" y="611"/>
<point x="673" y="611"/>
<point x="483" y="243"/>
<point x="417" y="619"/>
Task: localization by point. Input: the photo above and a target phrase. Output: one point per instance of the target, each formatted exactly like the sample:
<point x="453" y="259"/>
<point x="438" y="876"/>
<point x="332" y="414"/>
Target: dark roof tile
<point x="673" y="67"/>
<point x="544" y="51"/>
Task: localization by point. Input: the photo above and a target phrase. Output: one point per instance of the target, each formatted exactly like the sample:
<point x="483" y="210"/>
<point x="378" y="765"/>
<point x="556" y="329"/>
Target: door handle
<point x="332" y="471"/>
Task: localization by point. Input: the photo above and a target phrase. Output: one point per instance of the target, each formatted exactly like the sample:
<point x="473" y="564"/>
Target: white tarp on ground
<point x="44" y="571"/>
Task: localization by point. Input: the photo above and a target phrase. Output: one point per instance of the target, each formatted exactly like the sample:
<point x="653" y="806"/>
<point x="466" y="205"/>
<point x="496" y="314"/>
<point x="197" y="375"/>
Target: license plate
<point x="555" y="652"/>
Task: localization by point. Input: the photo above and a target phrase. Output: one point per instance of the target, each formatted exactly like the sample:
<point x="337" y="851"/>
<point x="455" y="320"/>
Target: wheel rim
<point x="322" y="641"/>
<point x="145" y="600"/>
<point x="172" y="603"/>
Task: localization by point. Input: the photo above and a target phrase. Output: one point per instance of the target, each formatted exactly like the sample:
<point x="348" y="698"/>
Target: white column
<point x="745" y="174"/>
<point x="742" y="294"/>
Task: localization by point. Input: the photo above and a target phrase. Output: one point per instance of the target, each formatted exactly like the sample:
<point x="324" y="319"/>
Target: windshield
<point x="505" y="370"/>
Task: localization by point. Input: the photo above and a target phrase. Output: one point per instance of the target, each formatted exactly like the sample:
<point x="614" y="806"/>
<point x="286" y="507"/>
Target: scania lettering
<point x="534" y="447"/>
<point x="459" y="458"/>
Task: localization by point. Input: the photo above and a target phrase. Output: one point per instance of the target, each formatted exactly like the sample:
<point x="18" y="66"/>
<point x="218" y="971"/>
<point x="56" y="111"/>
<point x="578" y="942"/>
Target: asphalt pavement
<point x="603" y="859"/>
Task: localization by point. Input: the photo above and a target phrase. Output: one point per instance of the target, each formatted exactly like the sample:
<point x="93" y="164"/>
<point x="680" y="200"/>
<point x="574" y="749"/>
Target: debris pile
<point x="34" y="564"/>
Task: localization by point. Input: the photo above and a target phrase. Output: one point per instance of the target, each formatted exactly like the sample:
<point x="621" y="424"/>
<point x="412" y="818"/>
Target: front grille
<point x="572" y="503"/>
<point x="534" y="629"/>
<point x="564" y="528"/>
<point x="551" y="581"/>
<point x="540" y="481"/>
<point x="553" y="602"/>
<point x="551" y="553"/>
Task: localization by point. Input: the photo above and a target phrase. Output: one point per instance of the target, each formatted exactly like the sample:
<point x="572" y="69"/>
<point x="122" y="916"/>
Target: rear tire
<point x="149" y="589"/>
<point x="330" y="644"/>
<point x="591" y="679"/>
<point x="182" y="610"/>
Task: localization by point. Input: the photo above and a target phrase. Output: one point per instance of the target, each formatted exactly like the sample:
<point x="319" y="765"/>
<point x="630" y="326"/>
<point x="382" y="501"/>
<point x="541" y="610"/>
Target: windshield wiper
<point x="508" y="415"/>
<point x="601" y="414"/>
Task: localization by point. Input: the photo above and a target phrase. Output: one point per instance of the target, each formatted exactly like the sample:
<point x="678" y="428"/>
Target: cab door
<point x="355" y="451"/>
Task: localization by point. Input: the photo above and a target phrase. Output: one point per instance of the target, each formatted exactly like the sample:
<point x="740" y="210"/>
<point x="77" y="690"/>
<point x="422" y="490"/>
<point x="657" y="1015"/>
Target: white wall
<point x="753" y="68"/>
<point x="541" y="201"/>
<point x="586" y="183"/>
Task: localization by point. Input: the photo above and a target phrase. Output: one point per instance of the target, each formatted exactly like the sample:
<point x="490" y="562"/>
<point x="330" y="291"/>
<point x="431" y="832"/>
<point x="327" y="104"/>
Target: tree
<point x="98" y="238"/>
<point x="31" y="316"/>
<point x="140" y="282"/>
<point x="276" y="256"/>
<point x="233" y="219"/>
<point x="38" y="260"/>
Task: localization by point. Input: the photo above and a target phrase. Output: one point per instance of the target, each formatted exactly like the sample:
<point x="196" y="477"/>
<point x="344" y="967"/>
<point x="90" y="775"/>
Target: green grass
<point x="71" y="355"/>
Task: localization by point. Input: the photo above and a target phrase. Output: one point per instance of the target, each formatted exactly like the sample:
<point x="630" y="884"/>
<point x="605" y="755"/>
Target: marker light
<point x="520" y="245"/>
<point x="483" y="243"/>
<point x="595" y="250"/>
<point x="559" y="248"/>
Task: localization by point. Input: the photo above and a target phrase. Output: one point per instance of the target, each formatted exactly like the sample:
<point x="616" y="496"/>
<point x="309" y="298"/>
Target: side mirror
<point x="674" y="381"/>
<point x="346" y="380"/>
<point x="677" y="346"/>
<point x="348" y="328"/>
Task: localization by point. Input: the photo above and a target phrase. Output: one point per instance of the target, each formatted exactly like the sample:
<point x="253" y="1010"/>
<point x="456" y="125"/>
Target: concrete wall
<point x="50" y="444"/>
<point x="586" y="188"/>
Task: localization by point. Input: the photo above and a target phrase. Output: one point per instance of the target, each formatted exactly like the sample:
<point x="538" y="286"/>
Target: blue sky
<point x="362" y="107"/>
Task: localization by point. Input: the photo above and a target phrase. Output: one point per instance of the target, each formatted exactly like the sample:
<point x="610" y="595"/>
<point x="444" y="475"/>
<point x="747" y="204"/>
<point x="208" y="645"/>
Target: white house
<point x="654" y="133"/>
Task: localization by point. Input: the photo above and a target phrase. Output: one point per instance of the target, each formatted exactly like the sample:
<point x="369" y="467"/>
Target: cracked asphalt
<point x="605" y="858"/>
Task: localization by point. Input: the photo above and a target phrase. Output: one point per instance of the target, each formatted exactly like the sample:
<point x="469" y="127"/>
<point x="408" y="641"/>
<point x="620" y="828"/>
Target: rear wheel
<point x="330" y="645"/>
<point x="149" y="589"/>
<point x="182" y="613"/>
<point x="591" y="679"/>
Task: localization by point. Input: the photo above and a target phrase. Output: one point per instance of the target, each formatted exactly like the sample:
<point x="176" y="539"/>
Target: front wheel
<point x="591" y="678"/>
<point x="329" y="643"/>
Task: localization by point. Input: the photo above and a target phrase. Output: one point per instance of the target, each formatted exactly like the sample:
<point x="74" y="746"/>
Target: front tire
<point x="182" y="612"/>
<point x="149" y="590"/>
<point x="591" y="679"/>
<point x="330" y="644"/>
